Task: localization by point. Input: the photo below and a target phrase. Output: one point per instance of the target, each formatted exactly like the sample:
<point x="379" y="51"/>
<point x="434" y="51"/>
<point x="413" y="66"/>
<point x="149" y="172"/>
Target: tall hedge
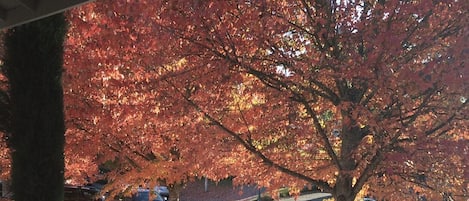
<point x="33" y="65"/>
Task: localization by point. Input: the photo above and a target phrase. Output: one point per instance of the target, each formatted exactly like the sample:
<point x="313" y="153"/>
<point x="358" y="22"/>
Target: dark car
<point x="81" y="193"/>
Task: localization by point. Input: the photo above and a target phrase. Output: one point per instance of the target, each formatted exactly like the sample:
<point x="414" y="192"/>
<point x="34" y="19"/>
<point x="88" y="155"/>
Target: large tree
<point x="342" y="95"/>
<point x="33" y="65"/>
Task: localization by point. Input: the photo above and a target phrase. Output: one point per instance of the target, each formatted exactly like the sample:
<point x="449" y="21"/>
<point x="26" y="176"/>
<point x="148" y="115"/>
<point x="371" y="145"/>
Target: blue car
<point x="143" y="194"/>
<point x="162" y="191"/>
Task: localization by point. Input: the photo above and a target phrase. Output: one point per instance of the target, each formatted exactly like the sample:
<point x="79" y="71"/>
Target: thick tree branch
<point x="367" y="172"/>
<point x="323" y="134"/>
<point x="251" y="148"/>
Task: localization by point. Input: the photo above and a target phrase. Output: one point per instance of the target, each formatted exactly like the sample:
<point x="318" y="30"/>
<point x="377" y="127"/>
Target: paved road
<point x="307" y="197"/>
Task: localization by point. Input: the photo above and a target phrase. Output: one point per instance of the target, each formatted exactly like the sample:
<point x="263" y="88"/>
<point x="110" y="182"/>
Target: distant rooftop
<point x="16" y="12"/>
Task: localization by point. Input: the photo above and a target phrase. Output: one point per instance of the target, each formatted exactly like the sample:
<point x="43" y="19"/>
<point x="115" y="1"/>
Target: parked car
<point x="142" y="194"/>
<point x="159" y="198"/>
<point x="98" y="187"/>
<point x="163" y="191"/>
<point x="159" y="193"/>
<point x="81" y="193"/>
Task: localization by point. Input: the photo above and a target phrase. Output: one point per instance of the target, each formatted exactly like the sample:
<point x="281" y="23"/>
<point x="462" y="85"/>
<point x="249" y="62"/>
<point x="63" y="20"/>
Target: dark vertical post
<point x="33" y="66"/>
<point x="259" y="194"/>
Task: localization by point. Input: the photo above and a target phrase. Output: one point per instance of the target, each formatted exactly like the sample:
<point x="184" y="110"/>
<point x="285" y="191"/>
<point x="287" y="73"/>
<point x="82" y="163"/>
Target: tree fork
<point x="33" y="65"/>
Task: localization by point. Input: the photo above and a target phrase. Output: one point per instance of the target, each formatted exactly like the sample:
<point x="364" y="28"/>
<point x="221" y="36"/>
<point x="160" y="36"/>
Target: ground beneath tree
<point x="221" y="191"/>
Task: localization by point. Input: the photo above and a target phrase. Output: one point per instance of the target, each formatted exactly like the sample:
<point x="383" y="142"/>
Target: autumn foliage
<point x="347" y="96"/>
<point x="341" y="96"/>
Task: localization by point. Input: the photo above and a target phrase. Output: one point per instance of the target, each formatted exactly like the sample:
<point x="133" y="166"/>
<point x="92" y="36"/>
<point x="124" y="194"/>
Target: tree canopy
<point x="343" y="95"/>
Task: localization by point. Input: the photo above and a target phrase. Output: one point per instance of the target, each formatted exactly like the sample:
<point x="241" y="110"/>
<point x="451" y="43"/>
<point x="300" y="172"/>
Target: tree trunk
<point x="351" y="136"/>
<point x="343" y="188"/>
<point x="33" y="65"/>
<point x="175" y="191"/>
